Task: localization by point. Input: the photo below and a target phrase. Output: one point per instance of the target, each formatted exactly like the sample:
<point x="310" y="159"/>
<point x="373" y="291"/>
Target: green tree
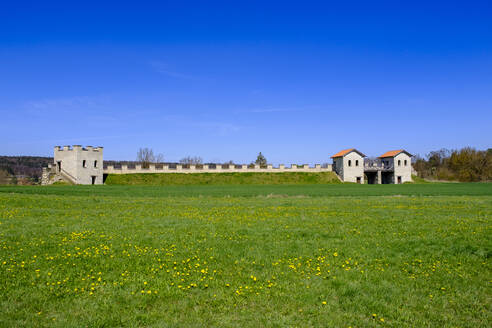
<point x="466" y="164"/>
<point x="261" y="160"/>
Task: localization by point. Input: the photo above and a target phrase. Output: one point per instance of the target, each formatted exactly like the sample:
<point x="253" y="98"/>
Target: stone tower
<point x="76" y="165"/>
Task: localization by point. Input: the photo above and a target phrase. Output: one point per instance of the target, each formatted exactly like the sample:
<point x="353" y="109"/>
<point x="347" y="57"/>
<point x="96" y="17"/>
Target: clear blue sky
<point x="297" y="81"/>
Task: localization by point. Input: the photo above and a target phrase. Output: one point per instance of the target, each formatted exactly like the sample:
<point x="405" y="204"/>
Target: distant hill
<point x="25" y="169"/>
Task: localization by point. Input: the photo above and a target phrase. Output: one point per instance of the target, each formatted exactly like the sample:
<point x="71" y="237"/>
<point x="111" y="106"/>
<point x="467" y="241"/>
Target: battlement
<point x="214" y="168"/>
<point x="78" y="148"/>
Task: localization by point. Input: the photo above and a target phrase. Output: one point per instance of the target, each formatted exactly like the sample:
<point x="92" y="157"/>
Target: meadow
<point x="250" y="256"/>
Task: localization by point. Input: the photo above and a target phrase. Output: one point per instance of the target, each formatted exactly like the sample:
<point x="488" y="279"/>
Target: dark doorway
<point x="93" y="179"/>
<point x="399" y="179"/>
<point x="359" y="180"/>
<point x="387" y="177"/>
<point x="372" y="177"/>
<point x="58" y="165"/>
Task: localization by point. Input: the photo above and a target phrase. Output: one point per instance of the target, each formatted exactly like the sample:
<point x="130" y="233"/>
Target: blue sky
<point x="297" y="81"/>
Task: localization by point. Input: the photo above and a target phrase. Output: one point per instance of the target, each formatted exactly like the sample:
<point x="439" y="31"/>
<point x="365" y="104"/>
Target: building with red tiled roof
<point x="393" y="166"/>
<point x="401" y="162"/>
<point x="349" y="165"/>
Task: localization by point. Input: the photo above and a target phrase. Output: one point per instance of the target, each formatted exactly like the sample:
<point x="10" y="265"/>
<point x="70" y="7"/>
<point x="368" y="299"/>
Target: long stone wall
<point x="179" y="168"/>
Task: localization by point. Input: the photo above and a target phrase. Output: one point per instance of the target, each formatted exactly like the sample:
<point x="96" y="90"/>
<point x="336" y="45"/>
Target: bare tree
<point x="191" y="160"/>
<point x="145" y="156"/>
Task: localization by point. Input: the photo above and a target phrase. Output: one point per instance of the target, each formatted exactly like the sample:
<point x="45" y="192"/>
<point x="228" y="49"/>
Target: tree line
<point x="465" y="165"/>
<point x="22" y="169"/>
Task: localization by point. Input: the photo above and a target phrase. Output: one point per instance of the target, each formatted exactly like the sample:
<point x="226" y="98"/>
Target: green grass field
<point x="287" y="255"/>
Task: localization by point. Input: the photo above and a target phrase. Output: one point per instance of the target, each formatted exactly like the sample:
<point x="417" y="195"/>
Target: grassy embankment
<point x="151" y="179"/>
<point x="246" y="255"/>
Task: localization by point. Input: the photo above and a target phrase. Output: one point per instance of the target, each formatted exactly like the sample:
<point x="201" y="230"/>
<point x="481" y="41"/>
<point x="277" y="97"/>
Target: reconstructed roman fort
<point x="79" y="165"/>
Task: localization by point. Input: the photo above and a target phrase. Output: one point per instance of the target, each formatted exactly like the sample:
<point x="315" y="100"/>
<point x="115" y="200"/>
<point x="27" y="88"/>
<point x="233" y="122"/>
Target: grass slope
<point x="97" y="256"/>
<point x="151" y="179"/>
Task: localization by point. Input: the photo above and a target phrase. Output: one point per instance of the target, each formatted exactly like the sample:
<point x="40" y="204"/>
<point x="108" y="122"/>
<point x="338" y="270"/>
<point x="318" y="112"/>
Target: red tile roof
<point x="346" y="151"/>
<point x="393" y="153"/>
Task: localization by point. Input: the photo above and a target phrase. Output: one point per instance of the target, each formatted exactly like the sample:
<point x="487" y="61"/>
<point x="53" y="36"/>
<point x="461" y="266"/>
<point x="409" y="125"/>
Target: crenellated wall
<point x="179" y="168"/>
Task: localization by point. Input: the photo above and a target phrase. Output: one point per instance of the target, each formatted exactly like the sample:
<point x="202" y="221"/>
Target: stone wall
<point x="179" y="168"/>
